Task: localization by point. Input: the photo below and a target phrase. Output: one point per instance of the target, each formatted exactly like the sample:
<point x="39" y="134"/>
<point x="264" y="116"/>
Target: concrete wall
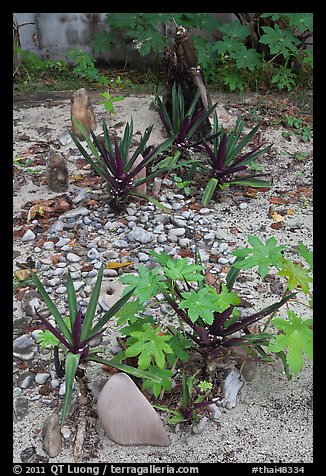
<point x="53" y="34"/>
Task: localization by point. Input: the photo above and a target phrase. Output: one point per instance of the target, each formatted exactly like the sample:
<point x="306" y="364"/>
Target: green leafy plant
<point x="75" y="334"/>
<point x="109" y="100"/>
<point x="209" y="317"/>
<point x="193" y="399"/>
<point x="183" y="184"/>
<point x="295" y="335"/>
<point x="84" y="67"/>
<point x="182" y="124"/>
<point x="224" y="160"/>
<point x="116" y="164"/>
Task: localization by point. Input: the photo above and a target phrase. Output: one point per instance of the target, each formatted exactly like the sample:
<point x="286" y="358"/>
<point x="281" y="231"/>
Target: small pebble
<point x="73" y="258"/>
<point x="28" y="236"/>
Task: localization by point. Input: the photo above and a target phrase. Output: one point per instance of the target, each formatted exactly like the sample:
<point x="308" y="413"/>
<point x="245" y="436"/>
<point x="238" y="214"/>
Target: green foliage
<point x="204" y="302"/>
<point x="263" y="256"/>
<point x="297" y="276"/>
<point x="109" y="100"/>
<point x="75" y="333"/>
<point x="279" y="41"/>
<point x="183" y="184"/>
<point x="146" y="284"/>
<point x="150" y="345"/>
<point x="296" y="336"/>
<point x="84" y="66"/>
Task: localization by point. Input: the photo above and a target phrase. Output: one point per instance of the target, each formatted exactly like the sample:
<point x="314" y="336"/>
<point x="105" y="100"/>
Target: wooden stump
<point x="181" y="68"/>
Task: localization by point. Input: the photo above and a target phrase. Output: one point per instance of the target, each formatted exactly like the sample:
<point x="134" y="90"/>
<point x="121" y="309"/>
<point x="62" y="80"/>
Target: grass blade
<point x="90" y="312"/>
<point x="72" y="300"/>
<point x="110" y="313"/>
<point x="209" y="191"/>
<point x="72" y="361"/>
<point x="251" y="182"/>
<point x="150" y="199"/>
<point x="127" y="369"/>
<point x="52" y="307"/>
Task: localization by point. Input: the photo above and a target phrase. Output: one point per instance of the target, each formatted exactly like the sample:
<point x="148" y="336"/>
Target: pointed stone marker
<point x="127" y="416"/>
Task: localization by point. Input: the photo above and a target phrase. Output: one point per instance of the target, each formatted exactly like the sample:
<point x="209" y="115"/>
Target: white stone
<point x="28" y="236"/>
<point x="73" y="258"/>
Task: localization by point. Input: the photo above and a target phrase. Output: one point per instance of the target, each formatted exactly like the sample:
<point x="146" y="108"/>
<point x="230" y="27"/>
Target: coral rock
<point x="127" y="416"/>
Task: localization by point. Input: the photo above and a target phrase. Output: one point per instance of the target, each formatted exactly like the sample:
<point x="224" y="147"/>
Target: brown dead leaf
<point x="186" y="253"/>
<point x="234" y="230"/>
<point x="290" y="211"/>
<point x="37" y="210"/>
<point x="277" y="225"/>
<point x="55" y="259"/>
<point x="278" y="200"/>
<point x="91" y="202"/>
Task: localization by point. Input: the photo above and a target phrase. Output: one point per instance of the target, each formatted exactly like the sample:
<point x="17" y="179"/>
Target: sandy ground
<point x="273" y="419"/>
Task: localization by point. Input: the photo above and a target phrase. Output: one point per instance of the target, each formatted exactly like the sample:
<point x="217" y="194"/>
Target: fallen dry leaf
<point x="290" y="211"/>
<point x="277" y="217"/>
<point x="115" y="265"/>
<point x="277" y="225"/>
<point x="22" y="274"/>
<point x="37" y="210"/>
<point x="278" y="200"/>
<point x="55" y="259"/>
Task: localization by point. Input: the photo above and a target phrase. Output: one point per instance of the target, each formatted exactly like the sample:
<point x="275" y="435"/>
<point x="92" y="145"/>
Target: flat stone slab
<point x="127" y="416"/>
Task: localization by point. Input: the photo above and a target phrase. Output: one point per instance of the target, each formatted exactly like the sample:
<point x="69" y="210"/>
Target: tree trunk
<point x="181" y="67"/>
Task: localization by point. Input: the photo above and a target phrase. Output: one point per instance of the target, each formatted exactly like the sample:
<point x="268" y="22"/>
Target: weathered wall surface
<point x="52" y="35"/>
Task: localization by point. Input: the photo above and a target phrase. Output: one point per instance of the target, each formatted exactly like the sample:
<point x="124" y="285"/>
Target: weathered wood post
<point x="181" y="67"/>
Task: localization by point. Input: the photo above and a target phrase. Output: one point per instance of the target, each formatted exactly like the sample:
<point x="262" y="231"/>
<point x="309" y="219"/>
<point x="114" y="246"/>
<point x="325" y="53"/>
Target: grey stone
<point x="209" y="236"/>
<point x="57" y="227"/>
<point x="143" y="257"/>
<point x="73" y="258"/>
<point x="93" y="254"/>
<point x="30" y="303"/>
<point x="24" y="347"/>
<point x="75" y="213"/>
<point x="223" y="247"/>
<point x="203" y="255"/>
<point x="223" y="260"/>
<point x="140" y="235"/>
<point x="204" y="211"/>
<point x="29" y="236"/>
<point x="55" y="383"/>
<point x="62" y="242"/>
<point x="184" y="242"/>
<point x="78" y="285"/>
<point x="177" y="231"/>
<point x="200" y="426"/>
<point x="48" y="245"/>
<point x="177" y="222"/>
<point x="243" y="205"/>
<point x="127" y="416"/>
<point x="51" y="434"/>
<point x="121" y="244"/>
<point x="17" y="392"/>
<point x="111" y="273"/>
<point x="25" y="380"/>
<point x="20" y="405"/>
<point x="61" y="290"/>
<point x="41" y="378"/>
<point x="62" y="389"/>
<point x="82" y="194"/>
<point x="232" y="385"/>
<point x="215" y="412"/>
